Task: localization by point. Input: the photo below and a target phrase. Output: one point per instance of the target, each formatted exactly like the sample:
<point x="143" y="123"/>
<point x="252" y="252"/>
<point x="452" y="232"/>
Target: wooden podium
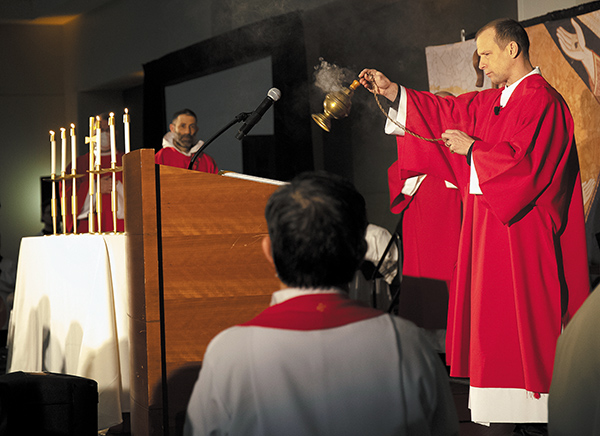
<point x="195" y="267"/>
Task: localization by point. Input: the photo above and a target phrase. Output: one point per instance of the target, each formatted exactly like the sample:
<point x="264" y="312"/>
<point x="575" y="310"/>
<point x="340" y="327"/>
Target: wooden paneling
<point x="196" y="267"/>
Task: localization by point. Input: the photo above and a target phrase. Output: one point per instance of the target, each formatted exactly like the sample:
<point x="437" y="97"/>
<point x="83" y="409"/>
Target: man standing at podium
<point x="179" y="144"/>
<point x="315" y="361"/>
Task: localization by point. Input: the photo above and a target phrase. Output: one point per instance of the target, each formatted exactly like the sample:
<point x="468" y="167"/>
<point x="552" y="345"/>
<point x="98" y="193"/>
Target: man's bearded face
<point x="184" y="130"/>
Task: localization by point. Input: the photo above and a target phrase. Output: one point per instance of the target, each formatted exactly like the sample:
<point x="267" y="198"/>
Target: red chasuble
<point x="431" y="220"/>
<point x="173" y="158"/>
<point x="83" y="186"/>
<point x="522" y="262"/>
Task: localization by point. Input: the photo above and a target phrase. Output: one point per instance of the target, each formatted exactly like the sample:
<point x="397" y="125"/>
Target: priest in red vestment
<point x="83" y="185"/>
<point x="522" y="268"/>
<point x="180" y="145"/>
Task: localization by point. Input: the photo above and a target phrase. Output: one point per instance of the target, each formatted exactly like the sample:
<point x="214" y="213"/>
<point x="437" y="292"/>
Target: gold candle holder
<point x="114" y="169"/>
<point x="53" y="180"/>
<point x="91" y="141"/>
<point x="73" y="178"/>
<point x="95" y="173"/>
<point x="113" y="196"/>
<point x="113" y="166"/>
<point x="98" y="172"/>
<point x="63" y="195"/>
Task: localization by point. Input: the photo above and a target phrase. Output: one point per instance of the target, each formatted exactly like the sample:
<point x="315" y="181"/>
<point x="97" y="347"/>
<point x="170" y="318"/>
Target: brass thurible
<point x="336" y="105"/>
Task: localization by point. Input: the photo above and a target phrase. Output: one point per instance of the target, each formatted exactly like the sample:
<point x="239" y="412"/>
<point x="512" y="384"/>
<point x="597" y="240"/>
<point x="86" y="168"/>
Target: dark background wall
<point x="391" y="37"/>
<point x="56" y="74"/>
<point x="347" y="36"/>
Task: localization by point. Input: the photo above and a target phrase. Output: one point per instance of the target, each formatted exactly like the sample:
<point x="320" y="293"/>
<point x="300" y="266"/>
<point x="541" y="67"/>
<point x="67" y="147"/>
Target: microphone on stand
<point x="272" y="96"/>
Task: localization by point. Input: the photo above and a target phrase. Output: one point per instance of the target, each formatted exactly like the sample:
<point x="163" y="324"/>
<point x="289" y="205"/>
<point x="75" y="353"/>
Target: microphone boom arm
<point x="238" y="119"/>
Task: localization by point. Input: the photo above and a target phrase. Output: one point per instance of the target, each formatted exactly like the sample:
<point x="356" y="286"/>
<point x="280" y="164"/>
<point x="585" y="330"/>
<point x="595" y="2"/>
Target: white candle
<point x="73" y="150"/>
<point x="53" y="153"/>
<point x="98" y="134"/>
<point x="113" y="148"/>
<point x="63" y="156"/>
<point x="91" y="178"/>
<point x="91" y="153"/>
<point x="126" y="125"/>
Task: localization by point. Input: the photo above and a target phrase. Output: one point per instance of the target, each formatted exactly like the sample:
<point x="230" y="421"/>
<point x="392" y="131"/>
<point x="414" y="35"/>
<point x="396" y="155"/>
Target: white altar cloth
<point x="70" y="314"/>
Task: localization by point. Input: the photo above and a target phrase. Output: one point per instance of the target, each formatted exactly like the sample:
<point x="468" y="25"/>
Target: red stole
<point x="313" y="312"/>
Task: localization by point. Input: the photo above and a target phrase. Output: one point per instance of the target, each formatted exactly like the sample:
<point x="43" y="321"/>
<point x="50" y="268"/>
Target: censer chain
<point x="375" y="94"/>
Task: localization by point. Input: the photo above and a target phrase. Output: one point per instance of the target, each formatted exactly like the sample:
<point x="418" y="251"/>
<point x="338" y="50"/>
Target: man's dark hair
<point x="317" y="225"/>
<point x="508" y="30"/>
<point x="184" y="112"/>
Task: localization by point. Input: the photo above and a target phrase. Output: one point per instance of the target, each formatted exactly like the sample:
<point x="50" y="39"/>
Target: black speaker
<point x="48" y="404"/>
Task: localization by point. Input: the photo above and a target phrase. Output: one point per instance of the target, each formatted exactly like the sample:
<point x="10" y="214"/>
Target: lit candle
<point x="63" y="142"/>
<point x="126" y="125"/>
<point x="91" y="179"/>
<point x="73" y="150"/>
<point x="98" y="135"/>
<point x="98" y="163"/>
<point x="113" y="149"/>
<point x="53" y="177"/>
<point x="53" y="153"/>
<point x="91" y="138"/>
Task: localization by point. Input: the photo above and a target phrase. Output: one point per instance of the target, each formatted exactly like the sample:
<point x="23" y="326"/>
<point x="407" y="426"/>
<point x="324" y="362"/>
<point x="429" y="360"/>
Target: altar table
<point x="70" y="314"/>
